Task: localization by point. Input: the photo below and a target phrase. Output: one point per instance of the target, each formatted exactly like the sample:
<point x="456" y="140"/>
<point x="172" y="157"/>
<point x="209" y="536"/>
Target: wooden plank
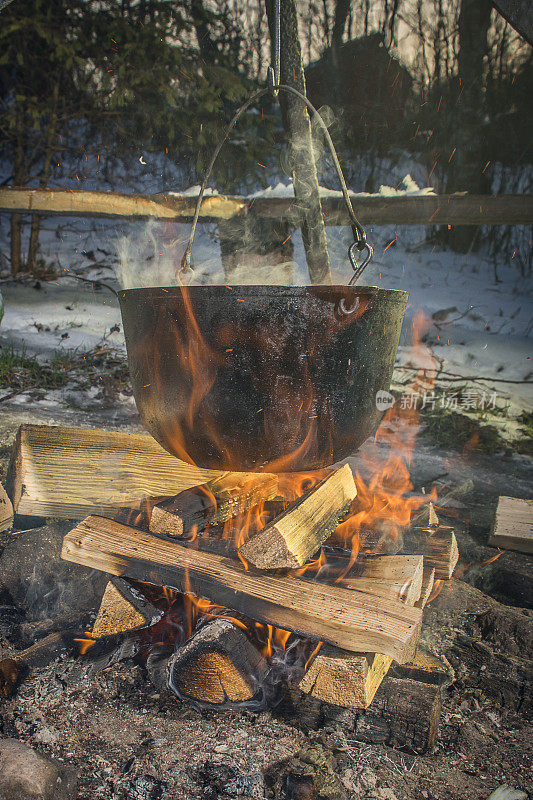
<point x="450" y="209"/>
<point x="295" y="534"/>
<point x="355" y="621"/>
<point x="513" y="525"/>
<point x="211" y="503"/>
<point x="72" y="472"/>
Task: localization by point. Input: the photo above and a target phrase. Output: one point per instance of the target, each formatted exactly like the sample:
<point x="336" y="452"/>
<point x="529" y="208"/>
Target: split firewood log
<point x="404" y="714"/>
<point x="357" y="621"/>
<point x="437" y="545"/>
<point x="293" y="536"/>
<point x="513" y="525"/>
<point x="123" y="608"/>
<point x="71" y="472"/>
<point x="352" y="679"/>
<point x="399" y="577"/>
<point x="217" y="665"/>
<point x="6" y="511"/>
<point x="211" y="503"/>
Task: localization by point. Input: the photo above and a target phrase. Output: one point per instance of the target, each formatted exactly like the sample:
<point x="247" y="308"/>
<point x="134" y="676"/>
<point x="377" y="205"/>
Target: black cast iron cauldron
<point x="261" y="377"/>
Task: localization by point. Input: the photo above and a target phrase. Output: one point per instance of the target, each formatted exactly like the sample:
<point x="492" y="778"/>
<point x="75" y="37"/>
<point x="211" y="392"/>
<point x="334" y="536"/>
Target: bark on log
<point x="217" y="665"/>
<point x="292" y="538"/>
<point x="446" y="209"/>
<point x="404" y="714"/>
<point x="353" y="620"/>
<point x="211" y="503"/>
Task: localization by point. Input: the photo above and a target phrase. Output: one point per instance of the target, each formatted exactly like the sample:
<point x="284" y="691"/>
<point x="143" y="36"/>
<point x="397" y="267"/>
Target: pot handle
<point x="360" y="244"/>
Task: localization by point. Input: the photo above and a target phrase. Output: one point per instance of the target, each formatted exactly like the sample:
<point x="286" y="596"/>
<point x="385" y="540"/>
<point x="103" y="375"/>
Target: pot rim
<point x="163" y="292"/>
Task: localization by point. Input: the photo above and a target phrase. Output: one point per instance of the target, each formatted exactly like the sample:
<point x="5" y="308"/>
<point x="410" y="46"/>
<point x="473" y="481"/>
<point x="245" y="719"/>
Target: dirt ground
<point x="128" y="740"/>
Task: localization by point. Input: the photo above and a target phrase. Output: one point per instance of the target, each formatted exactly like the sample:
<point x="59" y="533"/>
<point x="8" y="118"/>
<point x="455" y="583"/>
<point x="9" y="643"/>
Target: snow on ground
<point x="477" y="328"/>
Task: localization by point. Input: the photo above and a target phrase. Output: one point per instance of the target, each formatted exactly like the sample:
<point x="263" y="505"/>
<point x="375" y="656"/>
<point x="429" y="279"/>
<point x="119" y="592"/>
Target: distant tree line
<point x="80" y="77"/>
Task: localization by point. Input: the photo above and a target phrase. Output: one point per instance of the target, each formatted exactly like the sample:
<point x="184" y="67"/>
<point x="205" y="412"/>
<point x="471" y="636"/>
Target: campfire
<point x="296" y="593"/>
<point x="248" y="589"/>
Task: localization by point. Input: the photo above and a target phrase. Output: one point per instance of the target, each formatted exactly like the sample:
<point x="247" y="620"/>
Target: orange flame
<point x="385" y="499"/>
<point x="383" y="507"/>
<point x="437" y="587"/>
<point x="85" y="643"/>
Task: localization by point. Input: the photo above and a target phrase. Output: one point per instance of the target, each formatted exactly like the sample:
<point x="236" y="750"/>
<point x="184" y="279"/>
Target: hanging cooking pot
<point x="262" y="377"/>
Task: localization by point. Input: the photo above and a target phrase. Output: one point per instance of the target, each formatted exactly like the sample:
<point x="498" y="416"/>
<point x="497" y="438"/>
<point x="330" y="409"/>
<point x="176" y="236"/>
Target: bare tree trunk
<point x="519" y="14"/>
<point x="19" y="175"/>
<point x="298" y="128"/>
<point x="44" y="177"/>
<point x="342" y="11"/>
<point x="469" y="175"/>
<point x="200" y="20"/>
<point x="16" y="237"/>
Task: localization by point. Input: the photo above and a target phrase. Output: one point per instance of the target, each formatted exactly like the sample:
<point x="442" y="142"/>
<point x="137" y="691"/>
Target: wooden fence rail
<point x="449" y="209"/>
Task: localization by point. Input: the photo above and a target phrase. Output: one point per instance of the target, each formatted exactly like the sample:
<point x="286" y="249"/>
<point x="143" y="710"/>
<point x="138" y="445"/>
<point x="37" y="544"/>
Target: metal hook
<point x="358" y="269"/>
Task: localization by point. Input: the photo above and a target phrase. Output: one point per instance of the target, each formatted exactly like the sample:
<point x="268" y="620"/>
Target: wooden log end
<point x="217" y="665"/>
<point x="348" y="680"/>
<point x="163" y="523"/>
<point x="513" y="525"/>
<point x="269" y="550"/>
<point x="123" y="609"/>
